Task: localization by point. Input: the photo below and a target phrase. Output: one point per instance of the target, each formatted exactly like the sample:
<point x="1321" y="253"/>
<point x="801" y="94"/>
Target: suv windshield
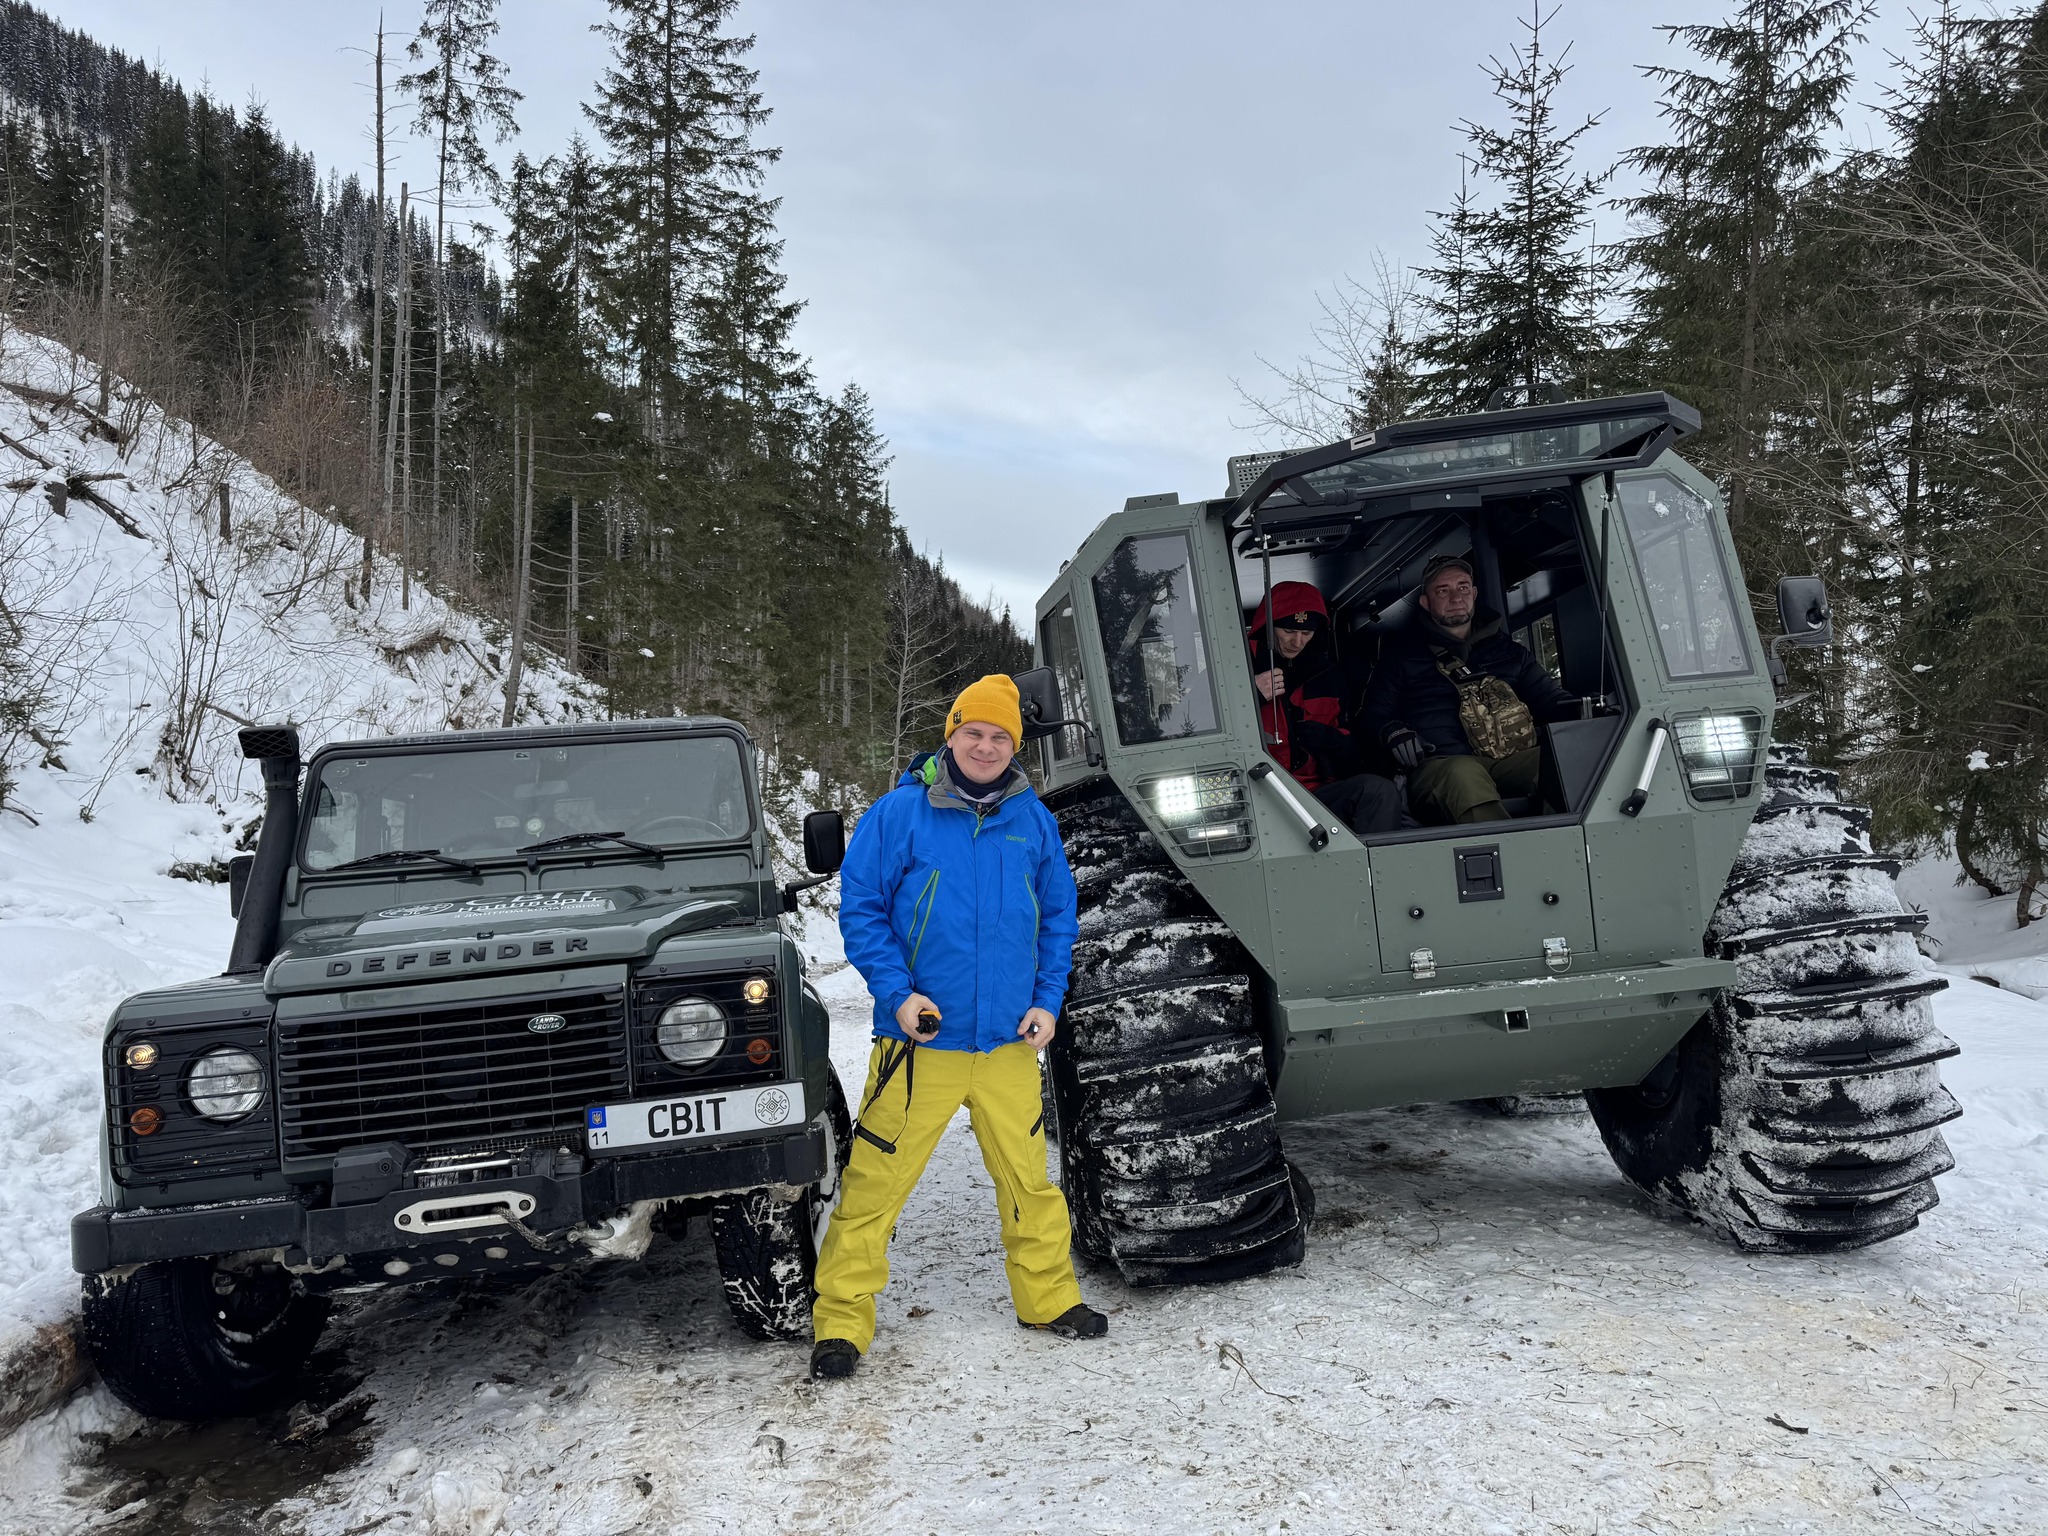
<point x="480" y="803"/>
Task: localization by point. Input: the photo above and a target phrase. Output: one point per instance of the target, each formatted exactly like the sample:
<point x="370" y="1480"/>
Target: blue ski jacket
<point x="975" y="909"/>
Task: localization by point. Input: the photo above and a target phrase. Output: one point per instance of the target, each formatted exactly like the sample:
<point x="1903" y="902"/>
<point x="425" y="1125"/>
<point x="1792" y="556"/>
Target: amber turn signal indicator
<point x="755" y="991"/>
<point x="140" y="1054"/>
<point x="758" y="1052"/>
<point x="144" y="1121"/>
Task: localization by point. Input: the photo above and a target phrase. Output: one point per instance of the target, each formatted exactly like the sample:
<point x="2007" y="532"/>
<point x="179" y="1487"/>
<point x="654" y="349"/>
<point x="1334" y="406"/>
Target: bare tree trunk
<point x="523" y="522"/>
<point x="400" y="343"/>
<point x="575" y="572"/>
<point x="440" y="299"/>
<point x="377" y="317"/>
<point x="405" y="478"/>
<point x="106" y="254"/>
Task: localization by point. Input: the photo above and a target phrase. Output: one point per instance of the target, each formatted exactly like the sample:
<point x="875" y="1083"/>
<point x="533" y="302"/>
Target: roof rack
<point x="1562" y="440"/>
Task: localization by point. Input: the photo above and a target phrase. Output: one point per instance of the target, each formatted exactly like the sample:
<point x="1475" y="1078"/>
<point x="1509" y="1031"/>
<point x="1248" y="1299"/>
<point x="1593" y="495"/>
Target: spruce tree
<point x="676" y="109"/>
<point x="1715" y="297"/>
<point x="1513" y="304"/>
<point x="459" y="92"/>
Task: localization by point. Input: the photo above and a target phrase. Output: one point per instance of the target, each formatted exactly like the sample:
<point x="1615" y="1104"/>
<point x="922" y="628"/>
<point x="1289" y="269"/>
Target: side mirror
<point x="1038" y="698"/>
<point x="1804" y="615"/>
<point x="824" y="842"/>
<point x="238" y="881"/>
<point x="1803" y="611"/>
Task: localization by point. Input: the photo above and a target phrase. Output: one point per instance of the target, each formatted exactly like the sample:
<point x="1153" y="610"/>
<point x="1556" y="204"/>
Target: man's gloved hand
<point x="1407" y="748"/>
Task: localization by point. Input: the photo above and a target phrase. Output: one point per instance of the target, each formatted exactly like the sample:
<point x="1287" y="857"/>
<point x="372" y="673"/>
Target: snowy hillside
<point x="1974" y="935"/>
<point x="155" y="637"/>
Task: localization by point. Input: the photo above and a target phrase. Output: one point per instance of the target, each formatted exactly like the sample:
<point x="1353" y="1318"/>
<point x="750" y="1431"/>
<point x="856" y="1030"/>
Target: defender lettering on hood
<point x="470" y="954"/>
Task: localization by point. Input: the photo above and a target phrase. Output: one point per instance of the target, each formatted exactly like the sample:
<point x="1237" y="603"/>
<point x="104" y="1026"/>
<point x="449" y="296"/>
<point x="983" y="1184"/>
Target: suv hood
<point x="486" y="935"/>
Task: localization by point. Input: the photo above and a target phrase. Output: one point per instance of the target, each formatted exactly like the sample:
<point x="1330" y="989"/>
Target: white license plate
<point x="694" y="1116"/>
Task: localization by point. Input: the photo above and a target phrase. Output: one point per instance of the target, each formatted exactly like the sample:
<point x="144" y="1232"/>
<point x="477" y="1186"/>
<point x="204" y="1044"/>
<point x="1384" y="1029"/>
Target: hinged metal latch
<point x="1422" y="964"/>
<point x="1557" y="954"/>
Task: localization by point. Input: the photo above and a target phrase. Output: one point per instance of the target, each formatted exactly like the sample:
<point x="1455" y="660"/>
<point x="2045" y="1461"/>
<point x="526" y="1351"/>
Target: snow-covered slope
<point x="159" y="636"/>
<point x="1971" y="934"/>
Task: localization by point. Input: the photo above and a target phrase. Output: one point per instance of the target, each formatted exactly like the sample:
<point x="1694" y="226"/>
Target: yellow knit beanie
<point x="991" y="701"/>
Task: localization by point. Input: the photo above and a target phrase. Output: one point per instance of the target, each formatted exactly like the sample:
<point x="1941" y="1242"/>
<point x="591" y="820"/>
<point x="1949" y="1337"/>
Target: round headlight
<point x="691" y="1032"/>
<point x="225" y="1083"/>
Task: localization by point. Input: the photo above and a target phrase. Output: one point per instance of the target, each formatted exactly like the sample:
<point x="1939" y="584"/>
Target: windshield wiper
<point x="571" y="839"/>
<point x="408" y="856"/>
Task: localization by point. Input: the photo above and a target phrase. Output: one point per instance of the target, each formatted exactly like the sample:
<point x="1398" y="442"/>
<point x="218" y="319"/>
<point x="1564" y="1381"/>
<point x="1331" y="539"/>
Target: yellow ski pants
<point x="911" y="1095"/>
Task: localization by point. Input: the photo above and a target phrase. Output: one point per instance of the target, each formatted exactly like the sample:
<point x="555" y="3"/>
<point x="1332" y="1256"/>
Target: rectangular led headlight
<point x="1205" y="812"/>
<point x="1719" y="753"/>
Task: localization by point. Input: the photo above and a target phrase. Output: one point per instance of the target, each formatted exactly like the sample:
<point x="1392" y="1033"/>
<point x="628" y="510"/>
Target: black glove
<point x="1407" y="748"/>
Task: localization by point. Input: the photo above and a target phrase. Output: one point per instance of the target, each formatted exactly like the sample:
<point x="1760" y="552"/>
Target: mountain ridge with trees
<point x="595" y="426"/>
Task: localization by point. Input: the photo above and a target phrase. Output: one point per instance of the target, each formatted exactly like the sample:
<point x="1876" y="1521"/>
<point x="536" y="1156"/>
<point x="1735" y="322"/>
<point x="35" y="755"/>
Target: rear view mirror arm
<point x="796" y="888"/>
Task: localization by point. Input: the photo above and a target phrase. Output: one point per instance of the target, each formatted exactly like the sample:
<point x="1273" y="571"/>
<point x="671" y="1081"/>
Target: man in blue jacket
<point x="957" y="907"/>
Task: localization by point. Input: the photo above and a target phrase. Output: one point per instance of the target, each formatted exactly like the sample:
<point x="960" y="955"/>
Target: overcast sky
<point x="1046" y="237"/>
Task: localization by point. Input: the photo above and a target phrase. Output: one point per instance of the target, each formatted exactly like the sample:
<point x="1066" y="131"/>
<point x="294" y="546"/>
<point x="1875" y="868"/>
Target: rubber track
<point x="1831" y="1096"/>
<point x="1169" y="1145"/>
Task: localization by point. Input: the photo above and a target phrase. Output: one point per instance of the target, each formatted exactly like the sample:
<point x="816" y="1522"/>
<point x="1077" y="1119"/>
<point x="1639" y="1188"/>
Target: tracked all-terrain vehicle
<point x="1684" y="922"/>
<point x="498" y="1002"/>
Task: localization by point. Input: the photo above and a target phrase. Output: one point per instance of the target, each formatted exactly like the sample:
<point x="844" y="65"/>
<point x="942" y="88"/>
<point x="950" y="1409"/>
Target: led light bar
<point x="1718" y="754"/>
<point x="1205" y="812"/>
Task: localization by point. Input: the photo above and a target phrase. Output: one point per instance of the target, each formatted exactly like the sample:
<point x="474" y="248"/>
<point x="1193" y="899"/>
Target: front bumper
<point x="104" y="1239"/>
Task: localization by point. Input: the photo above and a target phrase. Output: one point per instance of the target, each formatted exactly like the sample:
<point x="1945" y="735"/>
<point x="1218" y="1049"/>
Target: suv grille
<point x="439" y="1079"/>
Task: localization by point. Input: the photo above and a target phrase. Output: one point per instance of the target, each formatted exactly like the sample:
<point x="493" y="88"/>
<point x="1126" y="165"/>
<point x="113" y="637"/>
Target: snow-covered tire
<point x="1156" y="1084"/>
<point x="767" y="1245"/>
<point x="1802" y="1113"/>
<point x="186" y="1339"/>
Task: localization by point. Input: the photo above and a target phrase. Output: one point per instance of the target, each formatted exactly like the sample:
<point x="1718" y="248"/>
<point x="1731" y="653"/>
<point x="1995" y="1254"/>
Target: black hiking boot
<point x="833" y="1359"/>
<point x="1080" y="1321"/>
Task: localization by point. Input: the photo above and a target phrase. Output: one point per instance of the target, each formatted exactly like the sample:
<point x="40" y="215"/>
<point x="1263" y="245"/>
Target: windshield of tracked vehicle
<point x="1457" y="457"/>
<point x="481" y="803"/>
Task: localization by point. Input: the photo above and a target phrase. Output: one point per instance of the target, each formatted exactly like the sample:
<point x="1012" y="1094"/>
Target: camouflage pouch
<point x="1497" y="723"/>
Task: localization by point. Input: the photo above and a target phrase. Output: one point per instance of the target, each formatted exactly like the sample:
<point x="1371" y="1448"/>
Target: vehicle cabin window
<point x="1671" y="529"/>
<point x="1060" y="640"/>
<point x="492" y="802"/>
<point x="1159" y="683"/>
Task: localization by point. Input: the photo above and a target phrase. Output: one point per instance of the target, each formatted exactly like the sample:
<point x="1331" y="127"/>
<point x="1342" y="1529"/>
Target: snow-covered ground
<point x="1491" y="1333"/>
<point x="1973" y="934"/>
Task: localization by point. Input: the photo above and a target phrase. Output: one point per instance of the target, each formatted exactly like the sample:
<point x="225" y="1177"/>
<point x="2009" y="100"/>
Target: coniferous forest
<point x="597" y="429"/>
<point x="1865" y="333"/>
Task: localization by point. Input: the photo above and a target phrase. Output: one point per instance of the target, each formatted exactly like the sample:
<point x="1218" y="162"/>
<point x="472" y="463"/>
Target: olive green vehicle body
<point x="1350" y="1022"/>
<point x="628" y="931"/>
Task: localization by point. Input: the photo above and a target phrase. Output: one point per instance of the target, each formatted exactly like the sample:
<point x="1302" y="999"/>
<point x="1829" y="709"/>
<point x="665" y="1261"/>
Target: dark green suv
<point x="499" y="1001"/>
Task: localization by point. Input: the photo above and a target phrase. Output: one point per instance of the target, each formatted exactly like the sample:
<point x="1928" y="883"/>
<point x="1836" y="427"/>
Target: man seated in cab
<point x="1456" y="703"/>
<point x="1301" y="710"/>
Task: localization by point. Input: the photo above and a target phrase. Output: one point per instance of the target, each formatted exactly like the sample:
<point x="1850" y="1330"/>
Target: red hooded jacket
<point x="1304" y="728"/>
